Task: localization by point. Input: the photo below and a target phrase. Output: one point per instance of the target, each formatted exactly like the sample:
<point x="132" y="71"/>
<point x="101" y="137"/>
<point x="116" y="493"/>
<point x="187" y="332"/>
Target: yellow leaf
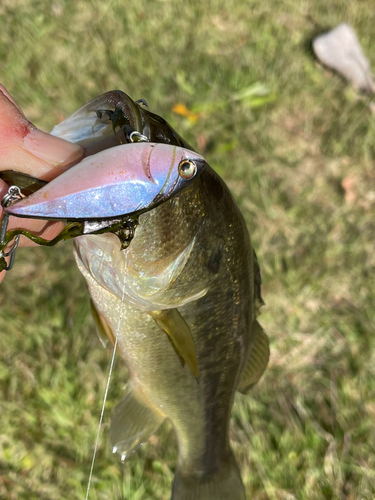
<point x="181" y="109"/>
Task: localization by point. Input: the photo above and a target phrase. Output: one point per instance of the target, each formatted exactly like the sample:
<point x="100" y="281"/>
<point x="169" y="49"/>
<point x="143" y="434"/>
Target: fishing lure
<point x="114" y="117"/>
<point x="104" y="193"/>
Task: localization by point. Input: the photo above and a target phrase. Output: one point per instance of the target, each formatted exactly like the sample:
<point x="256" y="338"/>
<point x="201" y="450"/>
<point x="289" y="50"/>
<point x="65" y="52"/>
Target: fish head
<point x="126" y="179"/>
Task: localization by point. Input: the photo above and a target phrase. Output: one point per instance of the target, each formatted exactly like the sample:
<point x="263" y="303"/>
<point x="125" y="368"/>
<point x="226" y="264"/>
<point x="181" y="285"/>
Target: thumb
<point x="27" y="149"/>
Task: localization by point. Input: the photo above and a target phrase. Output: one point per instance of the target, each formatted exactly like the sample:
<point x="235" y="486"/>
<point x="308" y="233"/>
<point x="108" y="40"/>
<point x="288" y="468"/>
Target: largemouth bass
<point x="189" y="273"/>
<point x="191" y="259"/>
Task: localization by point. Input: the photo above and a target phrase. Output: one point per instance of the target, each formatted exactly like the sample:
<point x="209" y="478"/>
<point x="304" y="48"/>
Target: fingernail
<point x="51" y="149"/>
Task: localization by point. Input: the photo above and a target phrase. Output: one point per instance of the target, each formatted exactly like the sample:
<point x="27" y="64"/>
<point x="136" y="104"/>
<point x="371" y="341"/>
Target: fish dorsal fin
<point x="175" y="326"/>
<point x="103" y="329"/>
<point x="134" y="420"/>
<point x="257" y="360"/>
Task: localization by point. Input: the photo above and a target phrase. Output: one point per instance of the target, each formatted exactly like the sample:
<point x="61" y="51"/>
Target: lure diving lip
<point x="121" y="180"/>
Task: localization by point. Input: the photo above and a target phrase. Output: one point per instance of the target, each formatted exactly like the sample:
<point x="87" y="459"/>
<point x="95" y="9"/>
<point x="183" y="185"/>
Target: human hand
<point x="27" y="149"/>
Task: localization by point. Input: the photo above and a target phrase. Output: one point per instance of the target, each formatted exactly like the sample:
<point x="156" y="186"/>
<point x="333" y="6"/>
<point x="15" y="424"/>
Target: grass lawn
<point x="296" y="145"/>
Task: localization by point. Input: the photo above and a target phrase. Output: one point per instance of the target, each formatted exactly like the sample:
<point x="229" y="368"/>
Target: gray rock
<point x="340" y="50"/>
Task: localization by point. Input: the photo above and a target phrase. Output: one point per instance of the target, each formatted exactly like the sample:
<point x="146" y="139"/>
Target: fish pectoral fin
<point x="103" y="329"/>
<point x="257" y="360"/>
<point x="134" y="420"/>
<point x="178" y="331"/>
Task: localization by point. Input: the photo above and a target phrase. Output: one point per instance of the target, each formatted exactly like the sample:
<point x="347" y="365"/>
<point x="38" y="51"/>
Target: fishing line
<point x="106" y="393"/>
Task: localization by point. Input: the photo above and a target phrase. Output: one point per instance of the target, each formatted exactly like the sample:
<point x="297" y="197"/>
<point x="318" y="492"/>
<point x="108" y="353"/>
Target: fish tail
<point x="223" y="484"/>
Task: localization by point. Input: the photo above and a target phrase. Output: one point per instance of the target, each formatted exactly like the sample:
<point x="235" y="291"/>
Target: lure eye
<point x="187" y="169"/>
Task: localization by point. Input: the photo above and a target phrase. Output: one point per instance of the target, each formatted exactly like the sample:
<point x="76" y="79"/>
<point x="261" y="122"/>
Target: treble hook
<point x="13" y="194"/>
<point x="142" y="101"/>
<point x="11" y="254"/>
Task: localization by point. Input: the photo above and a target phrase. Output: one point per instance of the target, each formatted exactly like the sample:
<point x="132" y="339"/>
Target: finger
<point x="27" y="149"/>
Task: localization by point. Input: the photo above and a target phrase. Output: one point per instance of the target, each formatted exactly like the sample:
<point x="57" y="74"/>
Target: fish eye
<point x="187" y="169"/>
